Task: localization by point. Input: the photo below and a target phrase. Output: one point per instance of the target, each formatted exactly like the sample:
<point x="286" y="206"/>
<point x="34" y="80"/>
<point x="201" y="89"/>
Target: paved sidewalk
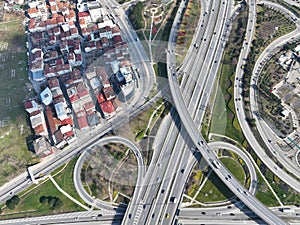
<point x="67" y="195"/>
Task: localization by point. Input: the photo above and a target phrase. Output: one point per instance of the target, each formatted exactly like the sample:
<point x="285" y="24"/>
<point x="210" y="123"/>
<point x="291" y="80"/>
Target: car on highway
<point x="173" y="199"/>
<point x="216" y="164"/>
<point x="167" y="215"/>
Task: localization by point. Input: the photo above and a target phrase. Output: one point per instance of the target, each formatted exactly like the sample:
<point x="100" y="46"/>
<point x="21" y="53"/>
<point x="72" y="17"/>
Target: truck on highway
<point x="286" y="210"/>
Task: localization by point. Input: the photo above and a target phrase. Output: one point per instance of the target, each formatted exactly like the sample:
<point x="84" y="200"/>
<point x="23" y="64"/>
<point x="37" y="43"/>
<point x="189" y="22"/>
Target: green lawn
<point x="214" y="190"/>
<point x="219" y="115"/>
<point x="30" y="206"/>
<point x="65" y="180"/>
<point x="235" y="168"/>
<point x="264" y="194"/>
<point x="223" y="119"/>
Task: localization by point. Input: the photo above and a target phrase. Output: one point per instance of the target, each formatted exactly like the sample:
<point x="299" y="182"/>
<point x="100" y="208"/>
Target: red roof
<point x="51" y="120"/>
<point x="100" y="71"/>
<point x="107" y="107"/>
<point x="117" y="39"/>
<point x="82" y="122"/>
<point x="60" y="19"/>
<point x="74" y="98"/>
<point x="100" y="98"/>
<point x="82" y="90"/>
<point x="83" y="14"/>
<point x="81" y="21"/>
<point x="34" y="113"/>
<point x="69" y="134"/>
<point x="32" y="11"/>
<point x="58" y="136"/>
<point x="67" y="121"/>
<point x="59" y="61"/>
<point x="53" y="83"/>
<point x="74" y="30"/>
<point x="78" y="57"/>
<point x="39" y="129"/>
<point x="28" y="105"/>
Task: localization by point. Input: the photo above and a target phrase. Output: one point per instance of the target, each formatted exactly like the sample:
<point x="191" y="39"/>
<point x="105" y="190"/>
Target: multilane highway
<point x="155" y="213"/>
<point x="210" y="158"/>
<point x="201" y="72"/>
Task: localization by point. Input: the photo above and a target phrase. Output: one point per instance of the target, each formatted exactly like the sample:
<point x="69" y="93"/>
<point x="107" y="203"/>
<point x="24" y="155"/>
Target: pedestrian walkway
<point x="67" y="195"/>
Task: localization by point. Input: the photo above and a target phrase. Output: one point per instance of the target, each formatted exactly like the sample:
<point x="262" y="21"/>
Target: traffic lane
<point x="195" y="136"/>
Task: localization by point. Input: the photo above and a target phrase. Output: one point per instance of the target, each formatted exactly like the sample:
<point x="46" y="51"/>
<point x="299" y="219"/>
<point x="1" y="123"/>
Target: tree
<point x="51" y="201"/>
<point x="58" y="203"/>
<point x="13" y="202"/>
<point x="43" y="200"/>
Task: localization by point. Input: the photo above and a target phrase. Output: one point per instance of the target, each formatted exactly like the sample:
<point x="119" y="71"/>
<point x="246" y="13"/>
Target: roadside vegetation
<point x="270" y="106"/>
<point x="222" y="117"/>
<point x="136" y="16"/>
<point x="42" y="199"/>
<point x="15" y="133"/>
<point x="161" y="41"/>
<point x="64" y="178"/>
<point x="110" y="173"/>
<point x="268" y="29"/>
<point x="222" y="120"/>
<point x="142" y="130"/>
<point x="294" y="9"/>
<point x="122" y="1"/>
<point x="186" y="30"/>
<point x="213" y="190"/>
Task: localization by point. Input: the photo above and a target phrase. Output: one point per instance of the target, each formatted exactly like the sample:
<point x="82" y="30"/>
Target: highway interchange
<point x="181" y="144"/>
